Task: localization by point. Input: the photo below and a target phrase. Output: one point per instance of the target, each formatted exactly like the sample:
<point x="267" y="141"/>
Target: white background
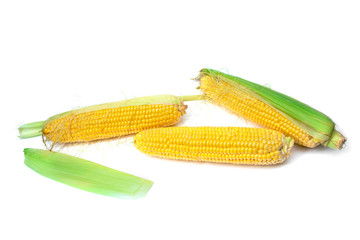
<point x="59" y="55"/>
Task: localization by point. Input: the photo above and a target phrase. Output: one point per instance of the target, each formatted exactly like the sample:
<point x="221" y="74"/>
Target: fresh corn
<point x="235" y="145"/>
<point x="109" y="120"/>
<point x="271" y="109"/>
<point x="85" y="175"/>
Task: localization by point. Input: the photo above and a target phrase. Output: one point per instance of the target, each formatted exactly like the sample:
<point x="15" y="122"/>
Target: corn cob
<point x="85" y="175"/>
<point x="236" y="145"/>
<point x="109" y="120"/>
<point x="271" y="109"/>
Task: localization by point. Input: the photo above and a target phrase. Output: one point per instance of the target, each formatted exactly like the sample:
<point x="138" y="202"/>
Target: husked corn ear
<point x="271" y="109"/>
<point x="110" y="120"/>
<point x="235" y="145"/>
<point x="109" y="123"/>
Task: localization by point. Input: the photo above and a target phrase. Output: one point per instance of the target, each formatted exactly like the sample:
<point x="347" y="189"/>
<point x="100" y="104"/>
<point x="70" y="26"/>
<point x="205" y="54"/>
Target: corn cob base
<point x="235" y="145"/>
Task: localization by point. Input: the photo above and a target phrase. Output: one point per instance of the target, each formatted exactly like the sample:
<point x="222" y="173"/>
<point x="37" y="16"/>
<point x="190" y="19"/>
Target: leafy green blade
<point x="85" y="175"/>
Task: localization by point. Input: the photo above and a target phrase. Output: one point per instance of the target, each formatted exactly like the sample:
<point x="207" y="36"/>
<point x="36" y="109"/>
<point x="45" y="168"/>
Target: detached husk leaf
<point x="85" y="175"/>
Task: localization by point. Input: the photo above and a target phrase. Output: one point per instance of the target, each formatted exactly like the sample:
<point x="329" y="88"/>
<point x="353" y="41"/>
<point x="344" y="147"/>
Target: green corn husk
<point x="315" y="123"/>
<point x="35" y="129"/>
<point x="86" y="175"/>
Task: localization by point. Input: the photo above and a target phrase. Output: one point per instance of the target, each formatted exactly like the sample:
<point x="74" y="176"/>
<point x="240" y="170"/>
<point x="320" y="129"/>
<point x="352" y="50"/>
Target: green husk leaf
<point x="314" y="122"/>
<point x="85" y="175"/>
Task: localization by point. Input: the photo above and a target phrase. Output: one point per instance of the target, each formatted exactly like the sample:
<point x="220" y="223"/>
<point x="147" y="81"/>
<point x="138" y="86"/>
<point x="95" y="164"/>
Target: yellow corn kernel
<point x="113" y="122"/>
<point x="236" y="145"/>
<point x="246" y="105"/>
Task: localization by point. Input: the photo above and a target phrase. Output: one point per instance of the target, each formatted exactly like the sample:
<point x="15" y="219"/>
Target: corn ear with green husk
<point x="271" y="109"/>
<point x="110" y="120"/>
<point x="85" y="175"/>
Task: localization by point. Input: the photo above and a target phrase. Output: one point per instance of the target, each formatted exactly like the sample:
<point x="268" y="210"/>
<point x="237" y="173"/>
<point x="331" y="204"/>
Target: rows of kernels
<point x="253" y="109"/>
<point x="109" y="123"/>
<point x="235" y="145"/>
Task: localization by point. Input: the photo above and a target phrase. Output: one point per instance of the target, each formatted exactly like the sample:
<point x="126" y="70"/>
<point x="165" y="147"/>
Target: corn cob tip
<point x="288" y="144"/>
<point x="336" y="141"/>
<point x="182" y="109"/>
